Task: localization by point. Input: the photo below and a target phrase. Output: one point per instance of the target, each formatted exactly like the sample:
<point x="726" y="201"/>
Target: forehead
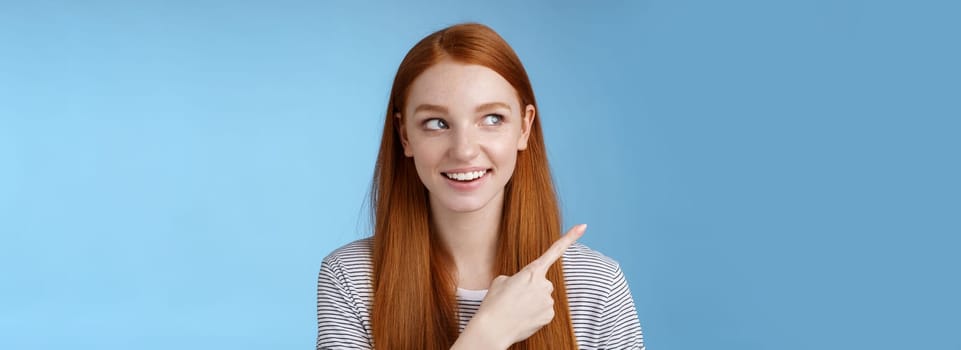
<point x="460" y="86"/>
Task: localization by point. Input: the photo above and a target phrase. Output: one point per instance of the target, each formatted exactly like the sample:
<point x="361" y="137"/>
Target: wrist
<point x="480" y="334"/>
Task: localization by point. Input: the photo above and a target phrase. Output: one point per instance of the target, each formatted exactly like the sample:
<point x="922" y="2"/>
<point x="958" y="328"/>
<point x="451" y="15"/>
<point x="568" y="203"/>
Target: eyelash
<point x="500" y="119"/>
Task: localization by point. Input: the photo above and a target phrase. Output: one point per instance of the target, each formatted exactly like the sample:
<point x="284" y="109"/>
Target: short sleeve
<point x="620" y="316"/>
<point x="339" y="324"/>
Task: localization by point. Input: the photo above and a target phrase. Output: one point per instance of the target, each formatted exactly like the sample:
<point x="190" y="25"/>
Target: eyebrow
<point x="441" y="109"/>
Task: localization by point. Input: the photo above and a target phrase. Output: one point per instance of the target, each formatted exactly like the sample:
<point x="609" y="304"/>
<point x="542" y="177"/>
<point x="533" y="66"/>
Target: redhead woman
<point x="467" y="250"/>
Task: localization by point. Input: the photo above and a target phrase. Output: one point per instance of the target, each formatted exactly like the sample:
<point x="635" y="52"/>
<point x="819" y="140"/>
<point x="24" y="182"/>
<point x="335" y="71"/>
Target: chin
<point x="461" y="202"/>
<point x="462" y="206"/>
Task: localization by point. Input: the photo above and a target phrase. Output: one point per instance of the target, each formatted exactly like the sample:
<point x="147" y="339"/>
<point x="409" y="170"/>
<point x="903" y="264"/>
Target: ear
<point x="529" y="114"/>
<point x="402" y="133"/>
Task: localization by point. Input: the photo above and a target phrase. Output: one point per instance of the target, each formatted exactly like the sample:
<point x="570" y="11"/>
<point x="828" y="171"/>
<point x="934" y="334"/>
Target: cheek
<point x="504" y="154"/>
<point x="426" y="158"/>
<point x="423" y="149"/>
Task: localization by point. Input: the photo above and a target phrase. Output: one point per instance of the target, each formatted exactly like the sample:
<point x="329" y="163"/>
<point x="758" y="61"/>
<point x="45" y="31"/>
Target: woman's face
<point x="463" y="126"/>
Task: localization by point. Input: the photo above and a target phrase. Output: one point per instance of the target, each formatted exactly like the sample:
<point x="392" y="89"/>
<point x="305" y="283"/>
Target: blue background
<point x="770" y="175"/>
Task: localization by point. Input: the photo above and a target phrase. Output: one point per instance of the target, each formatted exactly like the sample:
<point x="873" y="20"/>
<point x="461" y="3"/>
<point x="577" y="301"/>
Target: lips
<point x="468" y="178"/>
<point x="466" y="175"/>
<point x="466" y="170"/>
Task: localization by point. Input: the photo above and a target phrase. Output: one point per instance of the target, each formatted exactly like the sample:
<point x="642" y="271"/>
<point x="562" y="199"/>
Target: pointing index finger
<point x="541" y="264"/>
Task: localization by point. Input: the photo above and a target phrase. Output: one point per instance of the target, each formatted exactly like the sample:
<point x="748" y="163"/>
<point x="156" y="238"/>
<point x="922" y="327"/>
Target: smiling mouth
<point x="467" y="176"/>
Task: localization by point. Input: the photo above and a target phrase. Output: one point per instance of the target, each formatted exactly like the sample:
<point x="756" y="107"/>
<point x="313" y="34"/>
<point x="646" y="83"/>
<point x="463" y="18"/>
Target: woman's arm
<point x="339" y="325"/>
<point x="517" y="306"/>
<point x="621" y="316"/>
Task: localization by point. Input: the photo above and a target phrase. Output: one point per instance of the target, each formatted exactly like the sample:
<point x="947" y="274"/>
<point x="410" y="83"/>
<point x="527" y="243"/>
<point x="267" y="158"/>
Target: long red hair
<point x="414" y="288"/>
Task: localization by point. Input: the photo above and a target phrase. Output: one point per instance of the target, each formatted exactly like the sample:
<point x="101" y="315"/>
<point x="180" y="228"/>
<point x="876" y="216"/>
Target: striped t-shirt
<point x="602" y="309"/>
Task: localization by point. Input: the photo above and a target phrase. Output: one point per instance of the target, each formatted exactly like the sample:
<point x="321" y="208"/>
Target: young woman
<point x="467" y="251"/>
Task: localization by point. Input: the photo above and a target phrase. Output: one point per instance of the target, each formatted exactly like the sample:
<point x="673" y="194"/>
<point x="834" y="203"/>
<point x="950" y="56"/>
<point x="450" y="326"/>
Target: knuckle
<point x="549" y="316"/>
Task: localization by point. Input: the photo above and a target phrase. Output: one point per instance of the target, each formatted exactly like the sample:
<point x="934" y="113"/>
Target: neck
<point x="471" y="240"/>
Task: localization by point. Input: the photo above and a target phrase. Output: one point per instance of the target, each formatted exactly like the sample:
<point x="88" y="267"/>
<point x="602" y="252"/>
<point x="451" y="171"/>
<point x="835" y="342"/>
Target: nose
<point x="465" y="146"/>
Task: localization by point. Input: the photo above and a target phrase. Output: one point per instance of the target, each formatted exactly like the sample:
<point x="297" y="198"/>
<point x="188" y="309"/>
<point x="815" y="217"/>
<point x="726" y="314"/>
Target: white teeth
<point x="466" y="176"/>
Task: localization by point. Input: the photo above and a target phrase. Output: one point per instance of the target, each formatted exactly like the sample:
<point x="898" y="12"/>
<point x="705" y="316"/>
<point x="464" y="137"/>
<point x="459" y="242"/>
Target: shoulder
<point x="590" y="277"/>
<point x="344" y="298"/>
<point x="352" y="260"/>
<point x="359" y="249"/>
<point x="580" y="258"/>
<point x="601" y="305"/>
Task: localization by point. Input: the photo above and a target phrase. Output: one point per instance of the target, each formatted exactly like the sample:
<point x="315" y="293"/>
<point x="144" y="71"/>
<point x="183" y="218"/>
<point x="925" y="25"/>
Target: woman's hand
<point x="517" y="306"/>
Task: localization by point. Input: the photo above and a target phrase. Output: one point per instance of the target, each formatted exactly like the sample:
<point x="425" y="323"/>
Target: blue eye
<point x="493" y="119"/>
<point x="435" y="124"/>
